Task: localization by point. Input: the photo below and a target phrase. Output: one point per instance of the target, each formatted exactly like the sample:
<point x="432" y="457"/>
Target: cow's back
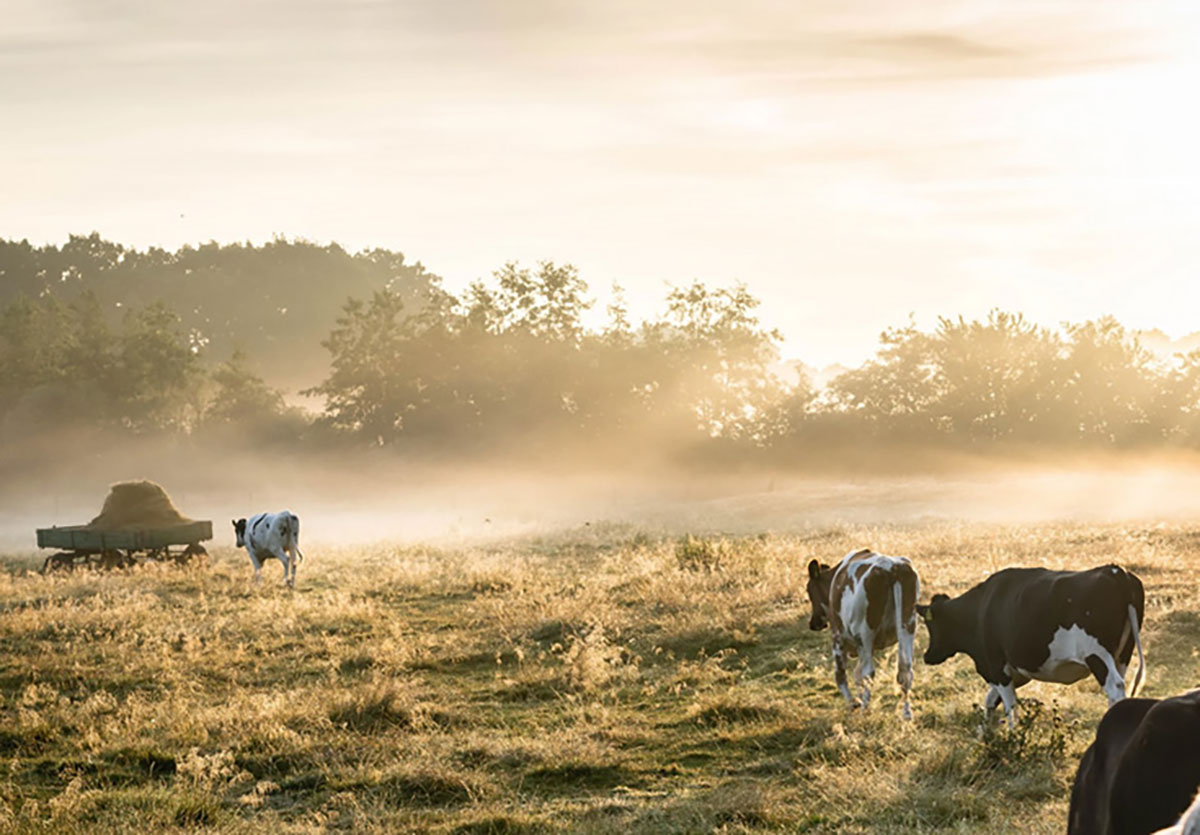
<point x="1090" y="792"/>
<point x="1022" y="608"/>
<point x="870" y="578"/>
<point x="1157" y="776"/>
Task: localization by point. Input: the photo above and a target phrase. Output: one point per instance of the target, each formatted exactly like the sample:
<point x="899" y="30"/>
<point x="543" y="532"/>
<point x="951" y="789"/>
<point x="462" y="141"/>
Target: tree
<point x="1111" y="381"/>
<point x="995" y="378"/>
<point x="895" y="393"/>
<point x="154" y="372"/>
<point x="717" y="358"/>
<point x="241" y="396"/>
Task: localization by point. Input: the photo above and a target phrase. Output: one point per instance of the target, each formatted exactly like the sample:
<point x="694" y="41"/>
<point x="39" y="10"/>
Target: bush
<point x="695" y="554"/>
<point x="1036" y="738"/>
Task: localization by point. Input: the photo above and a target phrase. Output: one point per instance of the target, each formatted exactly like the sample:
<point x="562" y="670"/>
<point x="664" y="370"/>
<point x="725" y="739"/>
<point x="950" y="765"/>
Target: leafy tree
<point x="995" y="378"/>
<point x="895" y="393"/>
<point x="241" y="396"/>
<point x="275" y="300"/>
<point x="154" y="372"/>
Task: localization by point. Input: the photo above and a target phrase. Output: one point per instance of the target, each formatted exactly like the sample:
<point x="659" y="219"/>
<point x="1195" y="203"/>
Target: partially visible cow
<point x="1142" y="771"/>
<point x="1031" y="623"/>
<point x="869" y="600"/>
<point x="271" y="536"/>
<point x="1188" y="823"/>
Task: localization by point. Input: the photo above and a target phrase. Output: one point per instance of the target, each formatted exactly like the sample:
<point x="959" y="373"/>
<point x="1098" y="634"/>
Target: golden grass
<point x="604" y="681"/>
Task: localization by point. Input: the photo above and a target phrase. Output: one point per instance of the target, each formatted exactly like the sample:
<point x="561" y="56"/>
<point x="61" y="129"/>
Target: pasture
<point x="600" y="680"/>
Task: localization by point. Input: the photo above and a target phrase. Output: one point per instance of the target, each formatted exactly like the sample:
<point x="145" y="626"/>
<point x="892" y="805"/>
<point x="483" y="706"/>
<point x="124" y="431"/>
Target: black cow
<point x="1031" y="623"/>
<point x="1142" y="770"/>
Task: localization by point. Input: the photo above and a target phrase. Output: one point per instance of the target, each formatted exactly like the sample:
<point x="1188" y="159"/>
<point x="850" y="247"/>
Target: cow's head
<point x="239" y="530"/>
<point x="820" y="579"/>
<point x="941" y="641"/>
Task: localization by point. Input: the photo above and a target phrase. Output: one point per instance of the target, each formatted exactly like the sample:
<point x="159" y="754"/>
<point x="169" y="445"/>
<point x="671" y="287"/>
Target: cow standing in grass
<point x="869" y="601"/>
<point x="1022" y="624"/>
<point x="271" y="536"/>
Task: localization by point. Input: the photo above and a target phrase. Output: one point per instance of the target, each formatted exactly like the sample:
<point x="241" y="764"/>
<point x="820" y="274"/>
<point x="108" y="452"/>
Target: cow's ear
<point x="924" y="612"/>
<point x="814" y="570"/>
<point x="938" y="598"/>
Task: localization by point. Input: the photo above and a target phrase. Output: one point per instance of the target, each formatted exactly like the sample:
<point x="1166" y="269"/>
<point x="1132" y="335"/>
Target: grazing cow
<point x="1030" y="623"/>
<point x="1142" y="770"/>
<point x="271" y="535"/>
<point x="868" y="599"/>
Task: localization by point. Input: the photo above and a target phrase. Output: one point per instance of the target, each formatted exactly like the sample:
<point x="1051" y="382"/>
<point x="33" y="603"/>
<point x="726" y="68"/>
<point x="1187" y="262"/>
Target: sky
<point x="854" y="162"/>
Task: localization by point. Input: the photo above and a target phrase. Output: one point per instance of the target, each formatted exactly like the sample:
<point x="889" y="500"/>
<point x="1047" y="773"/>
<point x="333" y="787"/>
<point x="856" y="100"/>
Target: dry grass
<point x="589" y="683"/>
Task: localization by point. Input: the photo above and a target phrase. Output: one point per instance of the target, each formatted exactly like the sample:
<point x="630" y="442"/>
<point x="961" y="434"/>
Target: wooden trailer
<point x="85" y="545"/>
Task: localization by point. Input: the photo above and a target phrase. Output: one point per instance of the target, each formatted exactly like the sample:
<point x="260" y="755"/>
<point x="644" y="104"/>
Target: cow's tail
<point x="294" y="536"/>
<point x="1137" y="641"/>
<point x="899" y="574"/>
<point x="898" y="597"/>
<point x="1136" y="604"/>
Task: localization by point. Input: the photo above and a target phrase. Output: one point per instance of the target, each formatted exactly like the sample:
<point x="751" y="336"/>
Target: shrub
<point x="1034" y="739"/>
<point x="694" y="554"/>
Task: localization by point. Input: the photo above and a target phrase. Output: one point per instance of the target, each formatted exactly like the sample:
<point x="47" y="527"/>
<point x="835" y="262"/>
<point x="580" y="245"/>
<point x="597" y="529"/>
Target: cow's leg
<point x="1008" y="695"/>
<point x="839" y="667"/>
<point x="866" y="667"/>
<point x="282" y="556"/>
<point x="904" y="669"/>
<point x="257" y="566"/>
<point x="1110" y="676"/>
<point x="992" y="699"/>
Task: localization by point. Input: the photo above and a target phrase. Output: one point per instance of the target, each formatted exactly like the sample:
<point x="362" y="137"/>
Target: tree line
<point x="95" y="334"/>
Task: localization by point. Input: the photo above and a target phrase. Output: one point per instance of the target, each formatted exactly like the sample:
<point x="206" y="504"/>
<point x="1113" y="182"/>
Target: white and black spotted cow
<point x="1022" y="624"/>
<point x="271" y="536"/>
<point x="869" y="600"/>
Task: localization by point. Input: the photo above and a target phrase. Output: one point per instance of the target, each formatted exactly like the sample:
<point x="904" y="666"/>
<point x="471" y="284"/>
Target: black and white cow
<point x="1142" y="770"/>
<point x="868" y="599"/>
<point x="1031" y="623"/>
<point x="271" y="536"/>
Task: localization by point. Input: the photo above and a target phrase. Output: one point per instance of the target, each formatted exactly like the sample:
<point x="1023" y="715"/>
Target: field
<point x="598" y="680"/>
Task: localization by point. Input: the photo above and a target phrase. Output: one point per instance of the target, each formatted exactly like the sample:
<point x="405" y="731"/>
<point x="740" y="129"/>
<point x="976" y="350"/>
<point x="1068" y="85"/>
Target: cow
<point x="271" y="535"/>
<point x="1141" y="772"/>
<point x="1188" y="823"/>
<point x="868" y="600"/>
<point x="1022" y="624"/>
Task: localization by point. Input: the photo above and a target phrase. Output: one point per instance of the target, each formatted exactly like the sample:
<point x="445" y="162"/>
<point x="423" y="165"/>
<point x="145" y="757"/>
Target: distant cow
<point x="1142" y="770"/>
<point x="869" y="601"/>
<point x="1031" y="623"/>
<point x="271" y="535"/>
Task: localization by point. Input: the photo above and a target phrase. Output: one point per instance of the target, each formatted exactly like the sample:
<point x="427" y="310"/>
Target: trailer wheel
<point x="62" y="561"/>
<point x="113" y="558"/>
<point x="191" y="554"/>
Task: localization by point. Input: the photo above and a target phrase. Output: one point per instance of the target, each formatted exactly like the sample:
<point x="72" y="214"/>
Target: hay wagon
<point x="83" y="545"/>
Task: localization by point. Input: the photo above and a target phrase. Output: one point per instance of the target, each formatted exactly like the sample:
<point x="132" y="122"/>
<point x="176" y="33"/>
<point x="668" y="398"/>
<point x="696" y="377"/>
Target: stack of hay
<point x="137" y="504"/>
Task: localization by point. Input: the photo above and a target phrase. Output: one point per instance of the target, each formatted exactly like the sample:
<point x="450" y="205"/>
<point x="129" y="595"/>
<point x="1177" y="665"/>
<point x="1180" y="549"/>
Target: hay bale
<point x="137" y="504"/>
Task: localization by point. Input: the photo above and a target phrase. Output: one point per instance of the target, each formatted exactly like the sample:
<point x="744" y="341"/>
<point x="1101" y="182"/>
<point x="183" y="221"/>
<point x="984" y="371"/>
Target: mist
<point x="364" y="497"/>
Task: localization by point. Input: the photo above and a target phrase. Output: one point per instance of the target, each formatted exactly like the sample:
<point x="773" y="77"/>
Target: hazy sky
<point x="850" y="161"/>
